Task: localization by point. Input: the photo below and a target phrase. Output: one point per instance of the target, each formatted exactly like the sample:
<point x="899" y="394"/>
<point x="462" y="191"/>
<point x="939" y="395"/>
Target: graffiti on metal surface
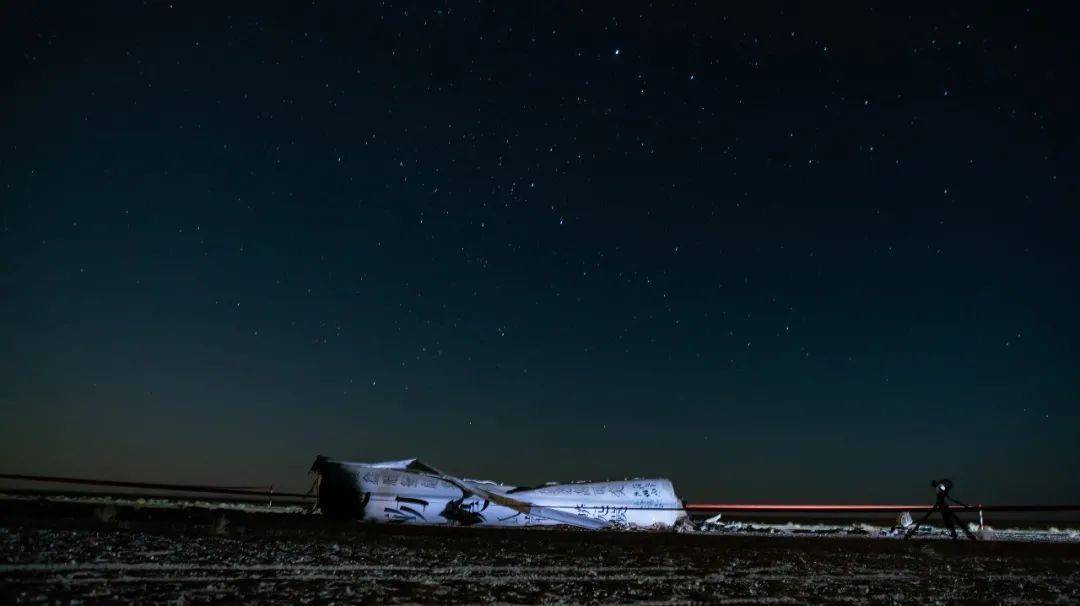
<point x="412" y="492"/>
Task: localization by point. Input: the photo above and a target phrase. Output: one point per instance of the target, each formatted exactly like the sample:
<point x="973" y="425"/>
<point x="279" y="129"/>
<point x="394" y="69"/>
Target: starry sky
<point x="774" y="256"/>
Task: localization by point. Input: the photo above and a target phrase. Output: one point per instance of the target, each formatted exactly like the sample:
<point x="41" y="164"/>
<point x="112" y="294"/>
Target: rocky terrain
<point x="94" y="552"/>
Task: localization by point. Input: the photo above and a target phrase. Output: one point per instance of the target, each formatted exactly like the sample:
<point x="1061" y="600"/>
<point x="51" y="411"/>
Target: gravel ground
<point x="100" y="553"/>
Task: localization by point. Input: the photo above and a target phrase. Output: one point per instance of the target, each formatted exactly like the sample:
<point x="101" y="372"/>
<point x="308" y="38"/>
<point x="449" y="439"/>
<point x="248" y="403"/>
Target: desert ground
<point x="75" y="551"/>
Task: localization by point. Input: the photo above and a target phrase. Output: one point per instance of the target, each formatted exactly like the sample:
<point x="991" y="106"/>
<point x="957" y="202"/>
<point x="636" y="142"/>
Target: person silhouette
<point x="941" y="505"/>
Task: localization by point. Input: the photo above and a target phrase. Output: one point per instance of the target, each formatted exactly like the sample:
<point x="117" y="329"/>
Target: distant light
<point x="617" y="51"/>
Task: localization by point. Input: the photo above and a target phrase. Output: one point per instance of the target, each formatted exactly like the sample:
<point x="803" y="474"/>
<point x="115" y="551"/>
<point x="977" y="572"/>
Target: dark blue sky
<point x="780" y="255"/>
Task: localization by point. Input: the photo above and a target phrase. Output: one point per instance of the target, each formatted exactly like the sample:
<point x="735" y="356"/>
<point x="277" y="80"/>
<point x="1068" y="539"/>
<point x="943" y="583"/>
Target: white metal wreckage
<point x="412" y="492"/>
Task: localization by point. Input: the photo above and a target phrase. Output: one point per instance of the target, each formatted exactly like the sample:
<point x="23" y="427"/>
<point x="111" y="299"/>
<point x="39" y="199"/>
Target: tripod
<point x="941" y="506"/>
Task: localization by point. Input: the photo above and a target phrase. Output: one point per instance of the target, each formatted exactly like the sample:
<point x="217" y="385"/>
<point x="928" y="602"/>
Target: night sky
<point x="787" y="255"/>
